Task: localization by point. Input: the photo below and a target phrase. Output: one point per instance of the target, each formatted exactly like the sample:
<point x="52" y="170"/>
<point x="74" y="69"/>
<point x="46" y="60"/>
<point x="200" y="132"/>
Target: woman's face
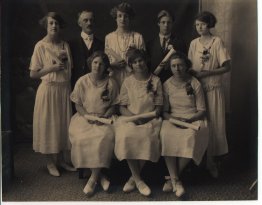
<point x="178" y="67"/>
<point x="201" y="27"/>
<point x="98" y="66"/>
<point x="139" y="65"/>
<point x="53" y="26"/>
<point x="122" y="19"/>
<point x="165" y="25"/>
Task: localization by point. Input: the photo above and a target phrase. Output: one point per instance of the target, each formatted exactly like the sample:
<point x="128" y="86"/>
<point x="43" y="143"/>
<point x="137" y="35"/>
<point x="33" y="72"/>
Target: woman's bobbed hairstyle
<point x="208" y="18"/>
<point x="54" y="15"/>
<point x="102" y="55"/>
<point x="133" y="53"/>
<point x="180" y="55"/>
<point x="123" y="7"/>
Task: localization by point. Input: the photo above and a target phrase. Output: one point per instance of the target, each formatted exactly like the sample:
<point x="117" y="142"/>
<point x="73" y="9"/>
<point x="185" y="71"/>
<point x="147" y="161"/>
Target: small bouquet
<point x="189" y="89"/>
<point x="150" y="87"/>
<point x="105" y="94"/>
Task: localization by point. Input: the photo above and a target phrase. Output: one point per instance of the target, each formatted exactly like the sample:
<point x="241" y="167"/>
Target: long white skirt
<point x="92" y="145"/>
<point x="187" y="143"/>
<point x="52" y="114"/>
<point x="138" y="141"/>
<point x="217" y="122"/>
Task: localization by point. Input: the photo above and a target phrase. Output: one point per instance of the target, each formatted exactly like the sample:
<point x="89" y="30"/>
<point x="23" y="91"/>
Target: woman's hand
<point x="57" y="67"/>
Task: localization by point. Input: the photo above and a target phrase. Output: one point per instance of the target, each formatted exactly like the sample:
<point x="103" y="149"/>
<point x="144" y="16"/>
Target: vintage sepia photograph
<point x="129" y="101"/>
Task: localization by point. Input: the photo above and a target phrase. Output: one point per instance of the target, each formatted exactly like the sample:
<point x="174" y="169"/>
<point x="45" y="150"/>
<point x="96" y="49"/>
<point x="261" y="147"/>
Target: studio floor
<point x="33" y="183"/>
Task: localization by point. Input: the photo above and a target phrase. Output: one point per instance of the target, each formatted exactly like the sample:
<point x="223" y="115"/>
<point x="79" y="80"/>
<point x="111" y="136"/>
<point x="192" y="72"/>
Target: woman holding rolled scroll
<point x="183" y="101"/>
<point x="119" y="41"/>
<point x="95" y="94"/>
<point x="138" y="141"/>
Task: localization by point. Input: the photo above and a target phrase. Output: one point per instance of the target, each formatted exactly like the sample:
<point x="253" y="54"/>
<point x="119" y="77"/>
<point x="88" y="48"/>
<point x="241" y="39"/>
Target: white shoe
<point x="52" y="169"/>
<point x="90" y="187"/>
<point x="104" y="182"/>
<point x="179" y="189"/>
<point x="130" y="185"/>
<point x="167" y="186"/>
<point x="143" y="188"/>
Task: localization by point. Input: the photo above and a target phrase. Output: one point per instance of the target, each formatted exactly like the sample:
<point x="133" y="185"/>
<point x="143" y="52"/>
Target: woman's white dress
<point x="52" y="111"/>
<point x="92" y="145"/>
<point x="212" y="85"/>
<point x="116" y="46"/>
<point x="139" y="141"/>
<point x="176" y="141"/>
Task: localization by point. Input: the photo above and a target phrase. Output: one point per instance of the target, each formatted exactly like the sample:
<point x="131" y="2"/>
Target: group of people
<point x="116" y="78"/>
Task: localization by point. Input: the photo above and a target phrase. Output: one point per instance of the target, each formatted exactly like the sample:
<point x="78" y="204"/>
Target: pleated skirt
<point x="52" y="114"/>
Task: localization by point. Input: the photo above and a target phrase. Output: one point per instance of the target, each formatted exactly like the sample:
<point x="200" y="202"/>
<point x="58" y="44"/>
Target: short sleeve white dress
<point x="211" y="57"/>
<point x="52" y="111"/>
<point x="92" y="145"/>
<point x="139" y="141"/>
<point x="176" y="141"/>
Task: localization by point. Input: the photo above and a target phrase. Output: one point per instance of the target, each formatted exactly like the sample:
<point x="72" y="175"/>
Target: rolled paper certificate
<point x="100" y="119"/>
<point x="185" y="124"/>
<point x="54" y="55"/>
<point x="140" y="116"/>
<point x="111" y="52"/>
<point x="159" y="68"/>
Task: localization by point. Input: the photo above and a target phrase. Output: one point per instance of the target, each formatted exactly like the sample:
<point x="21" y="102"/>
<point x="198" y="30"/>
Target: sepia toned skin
<point x="53" y="36"/>
<point x="180" y="74"/>
<point x="97" y="75"/>
<point x="205" y="36"/>
<point x="123" y="22"/>
<point x="86" y="22"/>
<point x="53" y="29"/>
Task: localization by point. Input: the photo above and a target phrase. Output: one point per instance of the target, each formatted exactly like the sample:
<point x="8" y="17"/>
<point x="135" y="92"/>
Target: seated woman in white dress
<point x="184" y="101"/>
<point x="92" y="141"/>
<point x="119" y="41"/>
<point x="138" y="141"/>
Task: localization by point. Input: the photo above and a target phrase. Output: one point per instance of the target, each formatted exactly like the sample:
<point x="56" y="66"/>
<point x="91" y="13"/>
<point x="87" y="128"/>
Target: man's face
<point x="165" y="25"/>
<point x="86" y="22"/>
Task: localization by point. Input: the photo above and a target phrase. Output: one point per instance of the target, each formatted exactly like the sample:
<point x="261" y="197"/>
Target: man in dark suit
<point x="84" y="46"/>
<point x="157" y="48"/>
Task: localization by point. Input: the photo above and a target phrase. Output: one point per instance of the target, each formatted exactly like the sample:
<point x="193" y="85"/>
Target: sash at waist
<point x="65" y="83"/>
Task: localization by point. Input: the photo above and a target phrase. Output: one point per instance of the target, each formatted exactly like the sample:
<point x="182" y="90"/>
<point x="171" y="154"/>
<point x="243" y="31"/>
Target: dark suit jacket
<point x="79" y="54"/>
<point x="156" y="54"/>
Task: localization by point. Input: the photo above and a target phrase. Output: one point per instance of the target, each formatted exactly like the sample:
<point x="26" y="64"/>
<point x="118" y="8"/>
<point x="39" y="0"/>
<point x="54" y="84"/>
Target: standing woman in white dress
<point x="183" y="100"/>
<point x="210" y="61"/>
<point x="92" y="141"/>
<point x="51" y="62"/>
<point x="139" y="141"/>
<point x="119" y="41"/>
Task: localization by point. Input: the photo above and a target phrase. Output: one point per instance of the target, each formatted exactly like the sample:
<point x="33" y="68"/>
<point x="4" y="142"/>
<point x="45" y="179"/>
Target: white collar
<point x="86" y="36"/>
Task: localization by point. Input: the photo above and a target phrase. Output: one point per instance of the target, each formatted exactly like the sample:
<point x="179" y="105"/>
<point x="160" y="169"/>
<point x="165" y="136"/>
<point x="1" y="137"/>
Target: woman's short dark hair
<point x="182" y="56"/>
<point x="54" y="15"/>
<point x="102" y="55"/>
<point x="133" y="53"/>
<point x="123" y="7"/>
<point x="208" y="18"/>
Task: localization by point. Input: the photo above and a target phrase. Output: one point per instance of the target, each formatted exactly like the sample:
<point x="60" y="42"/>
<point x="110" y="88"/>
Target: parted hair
<point x="54" y="15"/>
<point x="180" y="55"/>
<point x="208" y="18"/>
<point x="104" y="58"/>
<point x="133" y="53"/>
<point x="123" y="7"/>
<point x="164" y="13"/>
